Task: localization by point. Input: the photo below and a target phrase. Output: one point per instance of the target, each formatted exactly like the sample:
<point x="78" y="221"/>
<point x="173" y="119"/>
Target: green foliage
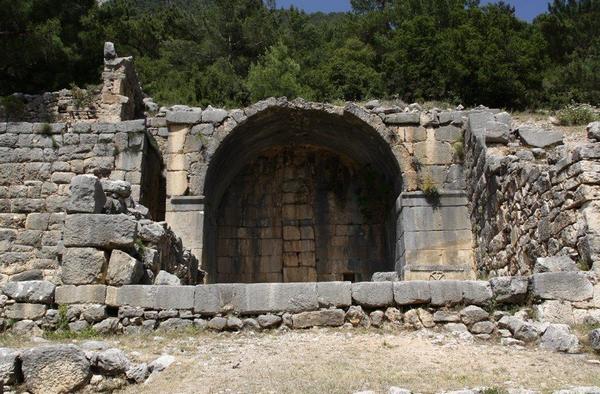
<point x="63" y="321"/>
<point x="81" y="97"/>
<point x="62" y="334"/>
<point x="277" y="74"/>
<point x="233" y="52"/>
<point x="576" y="115"/>
<point x="430" y="189"/>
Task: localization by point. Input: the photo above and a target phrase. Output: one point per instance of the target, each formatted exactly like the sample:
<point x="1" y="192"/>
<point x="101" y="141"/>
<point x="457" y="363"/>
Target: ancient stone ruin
<point x="124" y="217"/>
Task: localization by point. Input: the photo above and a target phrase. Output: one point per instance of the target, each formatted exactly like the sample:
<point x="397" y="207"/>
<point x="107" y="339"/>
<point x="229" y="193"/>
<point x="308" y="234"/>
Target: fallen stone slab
<point x="165" y="278"/>
<point x="35" y="291"/>
<point x="322" y="318"/>
<point x="568" y="286"/>
<point x="554" y="264"/>
<point x="373" y="294"/>
<point x="101" y="231"/>
<point x="558" y="338"/>
<point x="55" y="369"/>
<point x="9" y="369"/>
<point x="540" y="138"/>
<point x="86" y="196"/>
<point x="123" y="269"/>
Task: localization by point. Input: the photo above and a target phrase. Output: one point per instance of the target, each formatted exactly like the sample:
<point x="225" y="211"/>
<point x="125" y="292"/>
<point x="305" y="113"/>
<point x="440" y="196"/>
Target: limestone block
<point x="123" y="269"/>
<point x="413" y="134"/>
<point x="593" y="131"/>
<point x="165" y="278"/>
<point x="568" y="286"/>
<point x="213" y="115"/>
<point x="9" y="369"/>
<point x="87" y="195"/>
<point x="403" y="118"/>
<point x="509" y="289"/>
<point x="101" y="231"/>
<point x="82" y="266"/>
<point x="497" y="132"/>
<point x="177" y="183"/>
<point x="412" y="292"/>
<point x="446" y="292"/>
<point x="210" y="299"/>
<point x="35" y="291"/>
<point x="554" y="264"/>
<point x="373" y="294"/>
<point x="19" y="311"/>
<point x="189" y="116"/>
<point x="558" y="338"/>
<point x="154" y="297"/>
<point x="322" y="318"/>
<point x="87" y="294"/>
<point x="280" y="297"/>
<point x="338" y="294"/>
<point x="442" y="239"/>
<point x="385" y="277"/>
<point x="434" y="152"/>
<point x="448" y="134"/>
<point x="473" y="314"/>
<point x="553" y="311"/>
<point x="425" y="218"/>
<point x="476" y="292"/>
<point x="55" y="369"/>
<point x="450" y="117"/>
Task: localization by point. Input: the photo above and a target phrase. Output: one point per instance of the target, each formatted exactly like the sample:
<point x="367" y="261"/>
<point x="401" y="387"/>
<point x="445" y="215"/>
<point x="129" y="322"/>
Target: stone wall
<point x="39" y="161"/>
<point x="530" y="195"/>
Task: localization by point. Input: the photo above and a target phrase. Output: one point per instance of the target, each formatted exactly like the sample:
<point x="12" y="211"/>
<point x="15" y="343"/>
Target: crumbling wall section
<point x="530" y="195"/>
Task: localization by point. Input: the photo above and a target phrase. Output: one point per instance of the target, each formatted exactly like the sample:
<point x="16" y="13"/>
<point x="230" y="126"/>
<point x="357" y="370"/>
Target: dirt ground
<point x="346" y="361"/>
<point x="342" y="361"/>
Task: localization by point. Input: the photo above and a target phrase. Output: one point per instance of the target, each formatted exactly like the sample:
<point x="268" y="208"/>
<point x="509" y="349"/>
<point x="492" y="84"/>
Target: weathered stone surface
<point x="8" y="366"/>
<point x="123" y="269"/>
<point x="554" y="264"/>
<point x="107" y="326"/>
<point x="593" y="131"/>
<point x="217" y="323"/>
<point x="446" y="292"/>
<point x="165" y="278"/>
<point x="86" y="196"/>
<point x="373" y="294"/>
<point x="476" y="292"/>
<point x="325" y="317"/>
<point x="137" y="372"/>
<point x="377" y="318"/>
<point x="356" y="316"/>
<point x="509" y="289"/>
<point x="90" y="294"/>
<point x="280" y="297"/>
<point x="82" y="266"/>
<point x="569" y="286"/>
<point x="175" y="323"/>
<point x="20" y="311"/>
<point x="111" y="361"/>
<point x="443" y="316"/>
<point x="189" y="116"/>
<point x="153" y="297"/>
<point x="473" y="314"/>
<point x="483" y="327"/>
<point x="55" y="369"/>
<point x="94" y="313"/>
<point x="211" y="299"/>
<point x="497" y="132"/>
<point x="403" y="118"/>
<point x="338" y="294"/>
<point x="554" y="311"/>
<point x="593" y="337"/>
<point x="101" y="231"/>
<point x="412" y="292"/>
<point x="35" y="291"/>
<point x="161" y="363"/>
<point x="213" y="115"/>
<point x="269" y="320"/>
<point x="539" y="138"/>
<point x="385" y="277"/>
<point x="558" y="338"/>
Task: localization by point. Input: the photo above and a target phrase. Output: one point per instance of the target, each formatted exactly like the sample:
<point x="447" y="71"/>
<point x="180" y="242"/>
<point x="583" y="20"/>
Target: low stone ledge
<point x="373" y="294"/>
<point x="211" y="299"/>
<point x="87" y="294"/>
<point x="155" y="297"/>
<point x="338" y="294"/>
<point x="281" y="297"/>
<point x="412" y="292"/>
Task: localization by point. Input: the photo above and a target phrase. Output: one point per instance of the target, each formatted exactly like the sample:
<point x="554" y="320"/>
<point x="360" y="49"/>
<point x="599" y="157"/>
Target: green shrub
<point x="82" y="98"/>
<point x="430" y="189"/>
<point x="576" y="115"/>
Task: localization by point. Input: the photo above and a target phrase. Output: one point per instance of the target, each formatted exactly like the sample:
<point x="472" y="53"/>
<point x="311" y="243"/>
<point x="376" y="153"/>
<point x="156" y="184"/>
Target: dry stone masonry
<point x="292" y="214"/>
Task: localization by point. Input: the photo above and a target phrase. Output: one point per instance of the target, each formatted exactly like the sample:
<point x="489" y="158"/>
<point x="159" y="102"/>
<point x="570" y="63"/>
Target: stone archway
<point x="297" y="193"/>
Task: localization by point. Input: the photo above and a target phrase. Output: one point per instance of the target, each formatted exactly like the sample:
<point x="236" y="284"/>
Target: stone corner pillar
<point x="434" y="239"/>
<point x="185" y="215"/>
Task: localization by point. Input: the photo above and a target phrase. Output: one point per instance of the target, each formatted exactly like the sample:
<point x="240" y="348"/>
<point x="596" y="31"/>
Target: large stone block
<point x="568" y="286"/>
<point x="210" y="299"/>
<point x="426" y="218"/>
<point x="55" y="369"/>
<point x="89" y="294"/>
<point x="189" y="116"/>
<point x="35" y="291"/>
<point x="155" y="297"/>
<point x="540" y="138"/>
<point x="412" y="292"/>
<point x="338" y="294"/>
<point x="509" y="289"/>
<point x="123" y="269"/>
<point x="9" y="368"/>
<point x="403" y="118"/>
<point x="476" y="292"/>
<point x="373" y="294"/>
<point x="280" y="297"/>
<point x="82" y="266"/>
<point x="19" y="311"/>
<point x="446" y="292"/>
<point x="101" y="231"/>
<point x="322" y="318"/>
<point x="87" y="195"/>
